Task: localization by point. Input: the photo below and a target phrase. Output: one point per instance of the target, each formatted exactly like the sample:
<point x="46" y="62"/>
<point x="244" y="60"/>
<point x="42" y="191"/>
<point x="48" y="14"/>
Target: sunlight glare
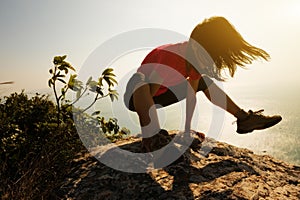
<point x="293" y="10"/>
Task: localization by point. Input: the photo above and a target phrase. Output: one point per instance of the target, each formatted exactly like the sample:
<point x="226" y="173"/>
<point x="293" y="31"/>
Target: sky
<point x="33" y="32"/>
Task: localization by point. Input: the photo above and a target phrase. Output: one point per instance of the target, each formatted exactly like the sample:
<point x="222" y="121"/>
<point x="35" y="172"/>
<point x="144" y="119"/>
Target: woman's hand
<point x="186" y="138"/>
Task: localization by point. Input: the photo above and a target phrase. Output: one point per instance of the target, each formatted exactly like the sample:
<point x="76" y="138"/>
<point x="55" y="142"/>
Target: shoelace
<point x="250" y="112"/>
<point x="256" y="112"/>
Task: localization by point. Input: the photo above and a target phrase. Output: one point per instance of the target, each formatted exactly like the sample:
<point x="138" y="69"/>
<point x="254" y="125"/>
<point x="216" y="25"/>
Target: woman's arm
<point x="190" y="102"/>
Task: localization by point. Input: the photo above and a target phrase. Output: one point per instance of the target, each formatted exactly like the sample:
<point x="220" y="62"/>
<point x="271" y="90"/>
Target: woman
<point x="174" y="72"/>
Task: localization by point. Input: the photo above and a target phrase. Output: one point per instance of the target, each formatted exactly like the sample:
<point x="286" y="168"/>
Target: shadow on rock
<point x="192" y="176"/>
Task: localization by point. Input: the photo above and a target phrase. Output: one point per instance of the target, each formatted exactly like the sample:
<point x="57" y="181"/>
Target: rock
<point x="211" y="170"/>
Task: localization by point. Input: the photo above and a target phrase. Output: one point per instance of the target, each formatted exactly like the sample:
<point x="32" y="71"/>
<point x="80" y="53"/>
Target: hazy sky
<point x="32" y="32"/>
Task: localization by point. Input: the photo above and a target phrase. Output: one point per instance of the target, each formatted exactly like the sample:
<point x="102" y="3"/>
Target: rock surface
<point x="226" y="172"/>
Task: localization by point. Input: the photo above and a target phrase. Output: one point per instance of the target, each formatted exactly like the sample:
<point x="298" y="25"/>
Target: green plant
<point x="101" y="88"/>
<point x="22" y="121"/>
<point x="112" y="129"/>
<point x="58" y="74"/>
<point x="33" y="150"/>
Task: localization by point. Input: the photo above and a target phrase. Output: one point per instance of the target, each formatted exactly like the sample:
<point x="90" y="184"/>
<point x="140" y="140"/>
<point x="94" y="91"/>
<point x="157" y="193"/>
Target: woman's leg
<point x="138" y="98"/>
<point x="246" y="121"/>
<point x="145" y="108"/>
<point x="218" y="97"/>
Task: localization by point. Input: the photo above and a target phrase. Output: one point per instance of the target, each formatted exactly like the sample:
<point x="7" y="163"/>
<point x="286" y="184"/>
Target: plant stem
<point x="96" y="98"/>
<point x="62" y="94"/>
<point x="57" y="99"/>
<point x="103" y="96"/>
<point x="85" y="89"/>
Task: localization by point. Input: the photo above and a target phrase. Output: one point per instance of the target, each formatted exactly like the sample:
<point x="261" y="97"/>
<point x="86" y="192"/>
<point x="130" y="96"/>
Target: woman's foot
<point x="156" y="142"/>
<point x="256" y="121"/>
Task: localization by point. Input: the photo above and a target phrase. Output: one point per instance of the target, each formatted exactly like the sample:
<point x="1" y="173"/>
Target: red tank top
<point x="169" y="62"/>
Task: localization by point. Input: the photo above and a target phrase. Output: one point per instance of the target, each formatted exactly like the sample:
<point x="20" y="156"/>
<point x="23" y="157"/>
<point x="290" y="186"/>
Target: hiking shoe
<point x="156" y="142"/>
<point x="256" y="121"/>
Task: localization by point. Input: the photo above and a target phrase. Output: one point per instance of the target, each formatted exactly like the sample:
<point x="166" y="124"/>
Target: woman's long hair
<point x="225" y="46"/>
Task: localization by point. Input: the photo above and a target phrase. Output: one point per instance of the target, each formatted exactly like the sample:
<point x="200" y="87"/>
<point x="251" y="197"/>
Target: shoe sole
<point x="264" y="126"/>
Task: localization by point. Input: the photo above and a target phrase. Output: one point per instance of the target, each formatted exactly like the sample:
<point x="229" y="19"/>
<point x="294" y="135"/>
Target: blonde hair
<point x="225" y="46"/>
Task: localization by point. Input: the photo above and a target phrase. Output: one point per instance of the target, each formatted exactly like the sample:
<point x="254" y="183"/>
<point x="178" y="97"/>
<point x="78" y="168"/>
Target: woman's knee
<point x="135" y="82"/>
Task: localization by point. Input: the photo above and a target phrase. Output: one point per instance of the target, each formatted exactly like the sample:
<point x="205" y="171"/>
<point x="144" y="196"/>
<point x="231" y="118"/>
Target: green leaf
<point x="57" y="60"/>
<point x="113" y="80"/>
<point x="101" y="93"/>
<point x="89" y="80"/>
<point x="110" y="80"/>
<point x="93" y="88"/>
<point x="73" y="76"/>
<point x="114" y="92"/>
<point x="110" y="74"/>
<point x="107" y="80"/>
<point x="66" y="70"/>
<point x="106" y="71"/>
<point x="72" y="68"/>
<point x="60" y="76"/>
<point x="63" y="92"/>
<point x="61" y="80"/>
<point x="68" y="65"/>
<point x="111" y="97"/>
<point x="116" y="96"/>
<point x="93" y="83"/>
<point x="50" y="82"/>
<point x="115" y="120"/>
<point x="95" y="113"/>
<point x="62" y="67"/>
<point x="71" y="82"/>
<point x="100" y="81"/>
<point x="78" y="84"/>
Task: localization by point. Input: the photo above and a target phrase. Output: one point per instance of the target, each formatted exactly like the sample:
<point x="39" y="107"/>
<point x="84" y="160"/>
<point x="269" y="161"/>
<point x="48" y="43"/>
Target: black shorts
<point x="173" y="95"/>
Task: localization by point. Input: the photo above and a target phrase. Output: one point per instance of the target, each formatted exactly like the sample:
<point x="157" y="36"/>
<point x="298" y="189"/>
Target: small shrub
<point x="38" y="139"/>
